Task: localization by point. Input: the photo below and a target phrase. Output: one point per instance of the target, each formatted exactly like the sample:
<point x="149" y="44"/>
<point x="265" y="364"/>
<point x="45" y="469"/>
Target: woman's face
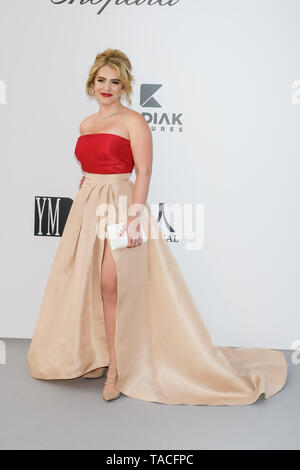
<point x="107" y="82"/>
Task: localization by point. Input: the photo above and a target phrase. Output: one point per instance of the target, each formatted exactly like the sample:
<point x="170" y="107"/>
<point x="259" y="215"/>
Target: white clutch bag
<point x="118" y="241"/>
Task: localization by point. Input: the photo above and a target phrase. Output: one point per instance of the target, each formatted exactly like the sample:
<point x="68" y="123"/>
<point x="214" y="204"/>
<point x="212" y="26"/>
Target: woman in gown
<point x="129" y="309"/>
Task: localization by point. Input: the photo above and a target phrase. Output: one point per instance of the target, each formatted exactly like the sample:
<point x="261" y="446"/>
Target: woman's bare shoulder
<point x="85" y="123"/>
<point x="137" y="123"/>
<point x="132" y="114"/>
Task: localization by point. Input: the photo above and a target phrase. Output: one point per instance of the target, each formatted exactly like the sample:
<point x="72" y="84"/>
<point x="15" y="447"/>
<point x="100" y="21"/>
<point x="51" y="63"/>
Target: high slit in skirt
<point x="163" y="350"/>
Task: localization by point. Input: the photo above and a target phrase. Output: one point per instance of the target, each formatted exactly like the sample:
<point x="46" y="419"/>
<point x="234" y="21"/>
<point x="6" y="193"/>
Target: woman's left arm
<point x="142" y="151"/>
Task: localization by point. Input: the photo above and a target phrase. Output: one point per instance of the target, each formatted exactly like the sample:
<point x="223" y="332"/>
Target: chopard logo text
<point x="129" y="3"/>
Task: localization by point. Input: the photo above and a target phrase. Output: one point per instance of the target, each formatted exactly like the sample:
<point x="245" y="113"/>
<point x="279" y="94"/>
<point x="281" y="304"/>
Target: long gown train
<point x="164" y="351"/>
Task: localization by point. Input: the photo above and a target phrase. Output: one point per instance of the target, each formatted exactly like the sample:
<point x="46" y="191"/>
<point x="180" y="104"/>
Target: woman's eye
<point x="101" y="80"/>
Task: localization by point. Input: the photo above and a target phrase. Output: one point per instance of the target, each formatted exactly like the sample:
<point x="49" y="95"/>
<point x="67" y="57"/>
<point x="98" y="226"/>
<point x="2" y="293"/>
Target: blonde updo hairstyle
<point x="120" y="62"/>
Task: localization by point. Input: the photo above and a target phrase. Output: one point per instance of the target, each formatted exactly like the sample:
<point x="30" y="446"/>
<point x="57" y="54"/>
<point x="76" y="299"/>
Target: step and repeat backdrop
<point x="219" y="85"/>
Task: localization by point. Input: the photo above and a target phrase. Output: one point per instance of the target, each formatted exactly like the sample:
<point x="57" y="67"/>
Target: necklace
<point x="105" y="117"/>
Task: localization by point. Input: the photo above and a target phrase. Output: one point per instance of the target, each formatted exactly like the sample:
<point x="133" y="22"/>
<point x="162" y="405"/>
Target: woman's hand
<point x="133" y="228"/>
<point x="81" y="181"/>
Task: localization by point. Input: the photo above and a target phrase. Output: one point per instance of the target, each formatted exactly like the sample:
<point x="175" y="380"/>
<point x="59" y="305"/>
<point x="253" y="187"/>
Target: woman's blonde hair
<point x="117" y="60"/>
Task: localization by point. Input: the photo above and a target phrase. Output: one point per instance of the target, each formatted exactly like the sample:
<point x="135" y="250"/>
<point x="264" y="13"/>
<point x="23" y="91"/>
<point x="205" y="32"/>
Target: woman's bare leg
<point x="109" y="296"/>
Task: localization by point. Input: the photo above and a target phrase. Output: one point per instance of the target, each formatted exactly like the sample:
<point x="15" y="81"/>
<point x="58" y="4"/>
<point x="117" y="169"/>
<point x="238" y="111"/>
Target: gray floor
<point x="71" y="414"/>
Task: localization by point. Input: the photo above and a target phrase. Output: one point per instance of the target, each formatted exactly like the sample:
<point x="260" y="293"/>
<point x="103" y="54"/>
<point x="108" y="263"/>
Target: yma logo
<point x="50" y="215"/>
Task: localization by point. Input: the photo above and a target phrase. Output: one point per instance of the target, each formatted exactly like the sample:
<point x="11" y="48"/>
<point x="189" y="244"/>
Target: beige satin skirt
<point x="164" y="351"/>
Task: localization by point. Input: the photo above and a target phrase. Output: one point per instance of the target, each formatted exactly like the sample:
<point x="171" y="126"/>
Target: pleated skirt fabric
<point x="164" y="351"/>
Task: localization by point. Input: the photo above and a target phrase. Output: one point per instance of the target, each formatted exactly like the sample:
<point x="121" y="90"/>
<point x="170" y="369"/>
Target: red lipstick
<point x="106" y="94"/>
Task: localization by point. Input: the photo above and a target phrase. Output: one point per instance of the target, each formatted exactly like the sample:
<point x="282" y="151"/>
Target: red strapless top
<point x="104" y="153"/>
